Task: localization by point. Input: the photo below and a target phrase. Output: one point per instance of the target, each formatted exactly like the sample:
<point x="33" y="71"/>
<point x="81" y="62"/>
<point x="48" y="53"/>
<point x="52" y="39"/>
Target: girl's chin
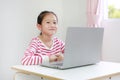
<point x="52" y="33"/>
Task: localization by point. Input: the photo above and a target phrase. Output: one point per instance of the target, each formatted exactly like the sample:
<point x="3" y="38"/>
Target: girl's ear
<point x="38" y="26"/>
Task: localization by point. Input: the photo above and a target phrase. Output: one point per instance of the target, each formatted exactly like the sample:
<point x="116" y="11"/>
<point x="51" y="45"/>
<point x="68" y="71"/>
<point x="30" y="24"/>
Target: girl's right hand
<point x="59" y="57"/>
<point x="53" y="58"/>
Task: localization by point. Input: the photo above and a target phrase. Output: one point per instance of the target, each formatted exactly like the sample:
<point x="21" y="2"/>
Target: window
<point x="113" y="8"/>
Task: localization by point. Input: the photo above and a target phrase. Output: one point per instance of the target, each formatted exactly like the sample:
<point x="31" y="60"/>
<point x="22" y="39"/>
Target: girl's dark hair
<point x="43" y="14"/>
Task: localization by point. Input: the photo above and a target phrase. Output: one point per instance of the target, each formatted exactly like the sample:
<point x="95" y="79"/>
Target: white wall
<point x="18" y="26"/>
<point x="111" y="42"/>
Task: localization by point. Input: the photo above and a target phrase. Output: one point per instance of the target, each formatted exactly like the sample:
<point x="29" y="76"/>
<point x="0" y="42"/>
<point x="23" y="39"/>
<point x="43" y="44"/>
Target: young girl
<point x="44" y="48"/>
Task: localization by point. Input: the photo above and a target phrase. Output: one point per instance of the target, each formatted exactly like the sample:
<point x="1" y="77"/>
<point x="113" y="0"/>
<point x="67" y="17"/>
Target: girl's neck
<point x="46" y="38"/>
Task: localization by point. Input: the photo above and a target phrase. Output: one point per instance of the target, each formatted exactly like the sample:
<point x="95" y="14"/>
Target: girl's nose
<point x="53" y="25"/>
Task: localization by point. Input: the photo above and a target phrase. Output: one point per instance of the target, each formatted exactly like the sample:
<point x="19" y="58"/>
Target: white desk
<point x="93" y="72"/>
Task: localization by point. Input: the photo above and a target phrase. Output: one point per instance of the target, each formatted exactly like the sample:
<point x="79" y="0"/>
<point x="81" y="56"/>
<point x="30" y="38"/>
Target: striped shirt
<point x="38" y="53"/>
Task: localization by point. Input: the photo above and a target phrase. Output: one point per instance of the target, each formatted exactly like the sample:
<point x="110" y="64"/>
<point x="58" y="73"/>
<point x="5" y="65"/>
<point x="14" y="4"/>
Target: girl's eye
<point x="48" y="22"/>
<point x="54" y="22"/>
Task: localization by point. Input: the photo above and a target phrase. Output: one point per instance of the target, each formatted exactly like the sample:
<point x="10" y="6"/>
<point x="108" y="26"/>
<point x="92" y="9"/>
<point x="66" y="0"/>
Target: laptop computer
<point x="82" y="47"/>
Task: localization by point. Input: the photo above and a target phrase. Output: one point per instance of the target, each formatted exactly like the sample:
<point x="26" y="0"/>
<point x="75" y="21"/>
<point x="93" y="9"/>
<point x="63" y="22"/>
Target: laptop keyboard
<point x="57" y="63"/>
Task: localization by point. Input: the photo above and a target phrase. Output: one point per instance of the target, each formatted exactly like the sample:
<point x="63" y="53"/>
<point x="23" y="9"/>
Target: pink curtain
<point x="93" y="13"/>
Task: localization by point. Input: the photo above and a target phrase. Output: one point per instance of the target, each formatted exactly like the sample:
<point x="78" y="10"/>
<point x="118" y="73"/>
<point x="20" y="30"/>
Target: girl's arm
<point x="31" y="57"/>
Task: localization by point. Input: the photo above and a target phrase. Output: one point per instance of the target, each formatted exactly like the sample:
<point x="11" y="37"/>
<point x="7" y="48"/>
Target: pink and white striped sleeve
<point x="31" y="57"/>
<point x="62" y="44"/>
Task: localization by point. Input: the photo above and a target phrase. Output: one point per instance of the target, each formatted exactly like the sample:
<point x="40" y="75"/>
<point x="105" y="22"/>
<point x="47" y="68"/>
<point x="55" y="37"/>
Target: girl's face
<point x="49" y="25"/>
